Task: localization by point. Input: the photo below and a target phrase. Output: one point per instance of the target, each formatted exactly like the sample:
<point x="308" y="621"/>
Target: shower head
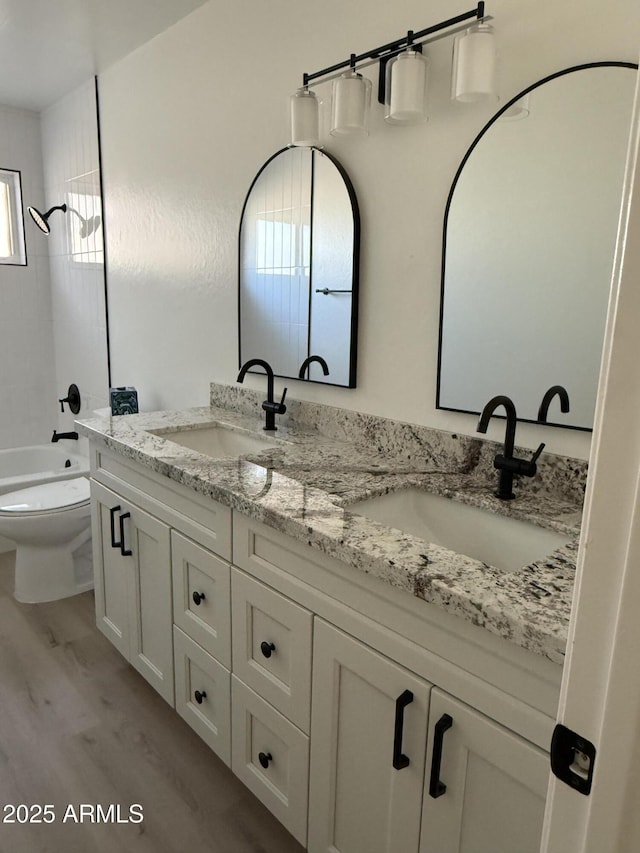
<point x="42" y="219"/>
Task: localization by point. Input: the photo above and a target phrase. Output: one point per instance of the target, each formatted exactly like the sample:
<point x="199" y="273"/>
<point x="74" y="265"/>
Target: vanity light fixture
<point x="407" y="87"/>
<point x="473" y="76"/>
<point x="402" y="79"/>
<point x="304" y="118"/>
<point x="350" y="106"/>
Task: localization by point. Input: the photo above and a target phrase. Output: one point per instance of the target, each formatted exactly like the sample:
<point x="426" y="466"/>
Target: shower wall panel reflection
<point x="298" y="267"/>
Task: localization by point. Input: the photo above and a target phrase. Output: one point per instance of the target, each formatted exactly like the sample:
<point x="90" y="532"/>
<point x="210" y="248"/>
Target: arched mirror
<point x="529" y="240"/>
<point x="298" y="276"/>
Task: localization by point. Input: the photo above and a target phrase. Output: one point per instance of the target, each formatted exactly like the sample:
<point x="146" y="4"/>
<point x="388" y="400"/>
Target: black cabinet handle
<point x="399" y="760"/>
<point x="112" y="512"/>
<point x="126" y="552"/>
<point x="200" y="695"/>
<point x="436" y="787"/>
<point x="267" y="648"/>
<point x="198" y="597"/>
<point x="264" y="758"/>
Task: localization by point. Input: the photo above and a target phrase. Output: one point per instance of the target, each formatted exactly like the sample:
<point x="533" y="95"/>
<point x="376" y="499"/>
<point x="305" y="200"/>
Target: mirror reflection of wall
<point x="299" y="249"/>
<point x="529" y="245"/>
<point x="84" y="203"/>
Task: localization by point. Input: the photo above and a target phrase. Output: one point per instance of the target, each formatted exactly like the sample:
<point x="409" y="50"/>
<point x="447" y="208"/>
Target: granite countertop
<point x="302" y="480"/>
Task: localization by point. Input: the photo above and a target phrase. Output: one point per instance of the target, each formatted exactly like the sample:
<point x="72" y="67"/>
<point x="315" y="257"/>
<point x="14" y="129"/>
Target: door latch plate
<point x="572" y="759"/>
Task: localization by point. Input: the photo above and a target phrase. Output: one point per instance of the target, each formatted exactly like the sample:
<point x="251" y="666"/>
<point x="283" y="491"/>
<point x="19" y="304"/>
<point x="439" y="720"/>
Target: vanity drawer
<point x="202" y="596"/>
<point x="203" y="694"/>
<point x="271" y="756"/>
<point x="272" y="638"/>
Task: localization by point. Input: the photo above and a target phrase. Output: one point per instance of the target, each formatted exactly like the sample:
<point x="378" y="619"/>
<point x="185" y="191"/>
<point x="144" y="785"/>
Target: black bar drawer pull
<point x="126" y="552"/>
<point x="112" y="512"/>
<point x="399" y="760"/>
<point x="436" y="787"/>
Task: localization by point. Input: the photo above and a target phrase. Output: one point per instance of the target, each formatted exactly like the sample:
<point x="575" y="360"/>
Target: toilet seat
<point x="46" y="498"/>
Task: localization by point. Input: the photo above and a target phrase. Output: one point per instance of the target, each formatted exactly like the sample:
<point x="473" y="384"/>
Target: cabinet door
<point x="361" y="725"/>
<point x="150" y="609"/>
<point x="110" y="569"/>
<point x="490" y="788"/>
<point x="132" y="573"/>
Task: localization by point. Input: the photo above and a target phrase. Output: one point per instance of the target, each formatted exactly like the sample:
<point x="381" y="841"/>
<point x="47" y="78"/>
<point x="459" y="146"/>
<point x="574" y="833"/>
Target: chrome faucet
<point x="305" y="364"/>
<point x="270" y="407"/>
<point x="561" y="392"/>
<point x="506" y="462"/>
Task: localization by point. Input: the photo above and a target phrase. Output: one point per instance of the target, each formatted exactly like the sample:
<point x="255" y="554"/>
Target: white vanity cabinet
<point x="376" y="714"/>
<point x="366" y="720"/>
<point x="158" y="549"/>
<point x="378" y="785"/>
<point x="133" y="585"/>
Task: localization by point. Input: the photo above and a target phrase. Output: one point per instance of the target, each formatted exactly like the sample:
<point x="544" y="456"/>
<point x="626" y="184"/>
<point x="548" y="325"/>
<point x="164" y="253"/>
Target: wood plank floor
<point x="78" y="725"/>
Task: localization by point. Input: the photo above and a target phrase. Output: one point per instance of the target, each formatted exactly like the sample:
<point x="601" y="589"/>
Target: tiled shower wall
<point x="28" y="398"/>
<point x="76" y="253"/>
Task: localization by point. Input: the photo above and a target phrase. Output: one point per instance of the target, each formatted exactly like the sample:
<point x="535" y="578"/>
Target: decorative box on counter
<point x="123" y="401"/>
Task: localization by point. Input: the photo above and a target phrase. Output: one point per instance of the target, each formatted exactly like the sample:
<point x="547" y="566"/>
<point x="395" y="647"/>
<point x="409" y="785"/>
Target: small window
<point x="12" y="249"/>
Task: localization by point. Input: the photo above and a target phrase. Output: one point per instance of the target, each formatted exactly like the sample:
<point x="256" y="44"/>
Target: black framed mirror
<point x="528" y="246"/>
<point x="299" y="250"/>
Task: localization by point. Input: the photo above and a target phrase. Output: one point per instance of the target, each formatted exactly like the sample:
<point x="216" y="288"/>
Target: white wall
<point x="71" y="169"/>
<point x="28" y="410"/>
<point x="188" y="119"/>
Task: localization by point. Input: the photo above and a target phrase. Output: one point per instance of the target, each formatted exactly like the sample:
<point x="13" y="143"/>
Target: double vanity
<point x="345" y="613"/>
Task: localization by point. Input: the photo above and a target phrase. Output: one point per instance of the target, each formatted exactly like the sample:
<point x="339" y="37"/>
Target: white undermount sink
<point x="503" y="542"/>
<point x="217" y="441"/>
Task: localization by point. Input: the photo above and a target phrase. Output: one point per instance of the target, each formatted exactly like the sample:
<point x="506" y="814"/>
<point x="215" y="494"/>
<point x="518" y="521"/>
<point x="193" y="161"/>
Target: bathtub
<point x="43" y="463"/>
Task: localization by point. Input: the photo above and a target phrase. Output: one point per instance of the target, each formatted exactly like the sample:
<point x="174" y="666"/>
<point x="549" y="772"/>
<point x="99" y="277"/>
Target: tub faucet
<point x="269" y="405"/>
<point x="506" y="462"/>
<point x="58" y="435"/>
<point x="307" y="362"/>
<point x="561" y="392"/>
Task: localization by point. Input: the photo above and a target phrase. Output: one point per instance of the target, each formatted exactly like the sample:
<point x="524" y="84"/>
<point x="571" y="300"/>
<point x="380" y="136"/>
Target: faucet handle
<point x="536" y="455"/>
<point x="276" y="408"/>
<point x="528" y="467"/>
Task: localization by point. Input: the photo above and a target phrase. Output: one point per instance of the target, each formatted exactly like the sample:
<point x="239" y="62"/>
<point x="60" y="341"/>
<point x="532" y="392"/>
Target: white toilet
<point x="48" y="523"/>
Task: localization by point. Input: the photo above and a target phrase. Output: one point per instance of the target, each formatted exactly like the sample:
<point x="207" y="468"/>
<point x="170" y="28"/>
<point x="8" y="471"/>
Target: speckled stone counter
<point x="308" y="472"/>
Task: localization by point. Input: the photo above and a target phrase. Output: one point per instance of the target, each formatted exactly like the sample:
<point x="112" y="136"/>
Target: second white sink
<point x="218" y="442"/>
<point x="503" y="542"/>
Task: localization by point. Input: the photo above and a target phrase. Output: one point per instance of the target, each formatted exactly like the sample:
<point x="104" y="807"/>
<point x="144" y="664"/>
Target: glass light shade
<point x="407" y="89"/>
<point x="474" y="65"/>
<point x="351" y="100"/>
<point x="304" y="118"/>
